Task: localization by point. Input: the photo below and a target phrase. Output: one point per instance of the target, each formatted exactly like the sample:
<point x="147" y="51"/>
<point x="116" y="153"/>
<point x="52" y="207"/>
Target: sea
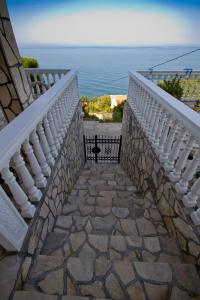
<point x="101" y="68"/>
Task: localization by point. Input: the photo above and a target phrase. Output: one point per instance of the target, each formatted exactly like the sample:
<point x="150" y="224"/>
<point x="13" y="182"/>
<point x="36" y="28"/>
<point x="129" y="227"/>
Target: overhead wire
<point x="160" y="64"/>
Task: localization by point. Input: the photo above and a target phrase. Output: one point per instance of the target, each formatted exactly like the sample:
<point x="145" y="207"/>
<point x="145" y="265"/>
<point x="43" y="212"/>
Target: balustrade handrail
<point x="173" y="72"/>
<point x="185" y="115"/>
<point x="44" y="70"/>
<point x="14" y="134"/>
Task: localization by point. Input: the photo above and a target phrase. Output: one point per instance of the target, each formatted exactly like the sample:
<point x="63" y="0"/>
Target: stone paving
<point x="110" y="243"/>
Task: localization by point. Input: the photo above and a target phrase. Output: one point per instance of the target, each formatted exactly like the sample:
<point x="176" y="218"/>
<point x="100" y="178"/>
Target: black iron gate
<point x="102" y="148"/>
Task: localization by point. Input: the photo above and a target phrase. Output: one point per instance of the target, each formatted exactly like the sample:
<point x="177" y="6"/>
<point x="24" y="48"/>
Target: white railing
<point x="173" y="130"/>
<point x="41" y="80"/>
<point x="190" y="81"/>
<point x="28" y="148"/>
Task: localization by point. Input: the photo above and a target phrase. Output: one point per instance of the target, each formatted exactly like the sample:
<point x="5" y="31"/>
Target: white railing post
<point x="182" y="185"/>
<point x="168" y="145"/>
<point x="169" y="165"/>
<point x="40" y="180"/>
<point x="53" y="130"/>
<point x="27" y="209"/>
<point x="163" y="139"/>
<point x="13" y="228"/>
<point x="39" y="153"/>
<point x="45" y="145"/>
<point x="50" y="138"/>
<point x="190" y="200"/>
<point x="56" y="122"/>
<point x="182" y="160"/>
<point x="33" y="193"/>
<point x="195" y="216"/>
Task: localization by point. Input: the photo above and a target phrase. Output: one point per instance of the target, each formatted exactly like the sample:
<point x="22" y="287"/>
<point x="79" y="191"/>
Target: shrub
<point x="118" y="112"/>
<point x="29" y="62"/>
<point x="173" y="87"/>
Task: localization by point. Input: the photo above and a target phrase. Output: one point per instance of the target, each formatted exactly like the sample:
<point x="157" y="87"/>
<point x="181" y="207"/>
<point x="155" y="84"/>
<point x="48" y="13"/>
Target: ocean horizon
<point x="99" y="66"/>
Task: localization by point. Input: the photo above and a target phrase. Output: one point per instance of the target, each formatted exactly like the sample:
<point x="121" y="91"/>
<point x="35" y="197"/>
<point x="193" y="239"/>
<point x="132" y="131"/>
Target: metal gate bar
<point x="102" y="148"/>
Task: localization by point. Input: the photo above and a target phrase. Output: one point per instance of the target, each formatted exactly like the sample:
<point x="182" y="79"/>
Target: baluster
<point x="152" y="118"/>
<point x="55" y="118"/>
<point x="27" y="209"/>
<point x="182" y="185"/>
<point x="164" y="136"/>
<point x="36" y="84"/>
<point x="163" y="118"/>
<point x="169" y="165"/>
<point x="42" y="79"/>
<point x="146" y="111"/>
<point x="33" y="193"/>
<point x="39" y="154"/>
<point x="168" y="145"/>
<point x="40" y="180"/>
<point x="158" y="110"/>
<point x="190" y="200"/>
<point x="45" y="146"/>
<point x="62" y="115"/>
<point x="48" y="80"/>
<point x="54" y="77"/>
<point x="53" y="130"/>
<point x="182" y="160"/>
<point x="59" y="118"/>
<point x="50" y="138"/>
<point x="195" y="216"/>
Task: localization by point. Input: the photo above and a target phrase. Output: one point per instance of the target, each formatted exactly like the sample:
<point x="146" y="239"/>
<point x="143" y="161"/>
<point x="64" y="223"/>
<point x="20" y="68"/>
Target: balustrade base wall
<point x="142" y="164"/>
<point x="64" y="174"/>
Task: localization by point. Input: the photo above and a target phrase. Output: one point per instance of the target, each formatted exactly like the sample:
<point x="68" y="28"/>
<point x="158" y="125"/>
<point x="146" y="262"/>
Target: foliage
<point x="173" y="87"/>
<point x="191" y="88"/>
<point x="118" y="112"/>
<point x="29" y="62"/>
<point x="96" y="104"/>
<point x="101" y="104"/>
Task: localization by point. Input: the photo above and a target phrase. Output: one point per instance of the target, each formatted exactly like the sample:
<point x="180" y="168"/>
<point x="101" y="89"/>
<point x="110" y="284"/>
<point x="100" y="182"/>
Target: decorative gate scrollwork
<point x="102" y="148"/>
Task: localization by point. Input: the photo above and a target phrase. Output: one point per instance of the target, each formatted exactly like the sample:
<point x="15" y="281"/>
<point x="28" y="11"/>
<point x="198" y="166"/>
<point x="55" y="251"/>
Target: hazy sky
<point x="106" y="22"/>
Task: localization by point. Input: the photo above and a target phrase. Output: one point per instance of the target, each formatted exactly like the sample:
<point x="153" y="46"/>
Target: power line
<point x="115" y="79"/>
<point x="160" y="64"/>
<point x="167" y="61"/>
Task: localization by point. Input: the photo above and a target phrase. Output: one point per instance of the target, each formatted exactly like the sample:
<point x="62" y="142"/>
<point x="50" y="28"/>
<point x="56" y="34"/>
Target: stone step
<point x="82" y="245"/>
<point x="96" y="211"/>
<point x="102" y="278"/>
<point x="109" y="225"/>
<point x="24" y="295"/>
<point x="102" y="198"/>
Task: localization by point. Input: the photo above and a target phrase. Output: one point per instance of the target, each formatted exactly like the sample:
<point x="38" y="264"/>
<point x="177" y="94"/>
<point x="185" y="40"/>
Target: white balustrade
<point x="39" y="153"/>
<point x="41" y="80"/>
<point x="27" y="209"/>
<point x="33" y="192"/>
<point x="45" y="146"/>
<point x="28" y="148"/>
<point x="50" y="138"/>
<point x="13" y="229"/>
<point x="40" y="180"/>
<point x="173" y="129"/>
<point x="190" y="81"/>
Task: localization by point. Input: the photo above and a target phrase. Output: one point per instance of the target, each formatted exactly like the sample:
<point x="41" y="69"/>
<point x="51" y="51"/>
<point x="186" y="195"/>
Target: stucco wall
<point x="140" y="161"/>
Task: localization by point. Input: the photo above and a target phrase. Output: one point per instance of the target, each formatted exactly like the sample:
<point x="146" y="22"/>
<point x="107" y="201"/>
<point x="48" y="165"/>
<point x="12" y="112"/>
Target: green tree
<point x="29" y="62"/>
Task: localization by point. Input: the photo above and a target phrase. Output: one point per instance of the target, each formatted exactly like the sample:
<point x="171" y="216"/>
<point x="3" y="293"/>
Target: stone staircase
<point x="110" y="243"/>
